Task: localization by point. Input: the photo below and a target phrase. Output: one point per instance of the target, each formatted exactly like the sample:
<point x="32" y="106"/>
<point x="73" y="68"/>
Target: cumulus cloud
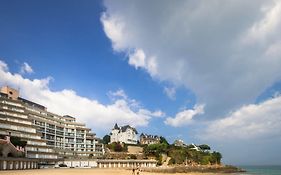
<point x="247" y="135"/>
<point x="254" y="121"/>
<point x="185" y="117"/>
<point x="120" y="93"/>
<point x="267" y="26"/>
<point x="26" y="68"/>
<point x="3" y="66"/>
<point x="137" y="59"/>
<point x="157" y="113"/>
<point x="97" y="115"/>
<point x="226" y="52"/>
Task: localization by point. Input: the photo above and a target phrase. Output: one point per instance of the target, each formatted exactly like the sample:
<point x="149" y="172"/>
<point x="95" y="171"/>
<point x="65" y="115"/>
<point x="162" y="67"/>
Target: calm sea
<point x="262" y="170"/>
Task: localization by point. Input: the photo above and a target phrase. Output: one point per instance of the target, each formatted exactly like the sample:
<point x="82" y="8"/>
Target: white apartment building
<point x="62" y="134"/>
<point x="124" y="134"/>
<point x="14" y="122"/>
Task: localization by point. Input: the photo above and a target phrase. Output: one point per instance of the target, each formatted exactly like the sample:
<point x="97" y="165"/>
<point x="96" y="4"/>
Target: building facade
<point x="48" y="135"/>
<point x="146" y="139"/>
<point x="124" y="134"/>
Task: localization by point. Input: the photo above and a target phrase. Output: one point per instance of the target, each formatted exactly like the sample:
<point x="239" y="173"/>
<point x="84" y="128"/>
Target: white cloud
<point x="170" y="92"/>
<point x="3" y="66"/>
<point x="247" y="135"/>
<point x="226" y="52"/>
<point x="201" y="45"/>
<point x="268" y="25"/>
<point x="185" y="117"/>
<point x="114" y="29"/>
<point x="117" y="94"/>
<point x="26" y="68"/>
<point x="157" y="113"/>
<point x="254" y="121"/>
<point x="137" y="59"/>
<point x="96" y="115"/>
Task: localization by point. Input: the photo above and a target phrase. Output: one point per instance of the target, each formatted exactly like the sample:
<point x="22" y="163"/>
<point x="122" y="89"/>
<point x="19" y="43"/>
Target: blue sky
<point x="65" y="40"/>
<point x="186" y="70"/>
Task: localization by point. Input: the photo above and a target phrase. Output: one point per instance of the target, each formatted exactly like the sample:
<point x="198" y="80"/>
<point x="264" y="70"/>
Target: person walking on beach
<point x="138" y="171"/>
<point x="133" y="173"/>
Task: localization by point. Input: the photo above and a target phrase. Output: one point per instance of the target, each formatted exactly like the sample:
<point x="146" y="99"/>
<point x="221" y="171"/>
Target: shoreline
<point x="196" y="169"/>
<point x="96" y="171"/>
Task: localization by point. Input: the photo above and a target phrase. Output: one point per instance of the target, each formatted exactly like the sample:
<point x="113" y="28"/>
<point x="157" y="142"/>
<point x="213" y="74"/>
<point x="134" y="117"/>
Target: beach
<point x="89" y="171"/>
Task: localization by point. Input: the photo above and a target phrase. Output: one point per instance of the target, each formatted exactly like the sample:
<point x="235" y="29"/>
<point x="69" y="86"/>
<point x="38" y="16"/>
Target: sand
<point x="87" y="171"/>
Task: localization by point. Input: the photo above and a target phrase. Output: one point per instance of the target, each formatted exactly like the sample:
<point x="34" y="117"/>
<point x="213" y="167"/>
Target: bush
<point x="172" y="161"/>
<point x="159" y="159"/>
<point x="132" y="156"/>
<point x="117" y="147"/>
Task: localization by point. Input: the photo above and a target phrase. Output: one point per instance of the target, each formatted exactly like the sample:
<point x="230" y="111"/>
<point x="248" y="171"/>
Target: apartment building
<point x="62" y="135"/>
<point x="14" y="122"/>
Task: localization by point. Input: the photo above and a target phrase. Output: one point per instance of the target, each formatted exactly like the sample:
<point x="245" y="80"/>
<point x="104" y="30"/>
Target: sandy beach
<point x="88" y="172"/>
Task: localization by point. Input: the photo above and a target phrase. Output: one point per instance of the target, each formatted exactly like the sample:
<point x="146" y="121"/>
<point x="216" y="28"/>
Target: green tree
<point x="156" y="148"/>
<point x="204" y="147"/>
<point x="217" y="157"/>
<point x="163" y="140"/>
<point x="178" y="155"/>
<point x="17" y="141"/>
<point x="106" y="139"/>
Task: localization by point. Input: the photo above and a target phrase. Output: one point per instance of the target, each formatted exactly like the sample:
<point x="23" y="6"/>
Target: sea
<point x="261" y="170"/>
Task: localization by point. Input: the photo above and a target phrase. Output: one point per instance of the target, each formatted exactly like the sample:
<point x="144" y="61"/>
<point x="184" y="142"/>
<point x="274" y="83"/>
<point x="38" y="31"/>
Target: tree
<point x="178" y="155"/>
<point x="163" y="140"/>
<point x="17" y="141"/>
<point x="118" y="147"/>
<point x="106" y="139"/>
<point x="204" y="147"/>
<point x="155" y="149"/>
<point x="217" y="156"/>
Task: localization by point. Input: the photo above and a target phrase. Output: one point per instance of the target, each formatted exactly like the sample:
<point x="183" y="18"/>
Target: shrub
<point x="132" y="156"/>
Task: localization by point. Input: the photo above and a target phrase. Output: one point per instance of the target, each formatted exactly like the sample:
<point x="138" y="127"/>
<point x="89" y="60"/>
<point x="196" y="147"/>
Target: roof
<point x="124" y="128"/>
<point x="68" y="116"/>
<point x="30" y="103"/>
<point x="149" y="136"/>
<point x="116" y="126"/>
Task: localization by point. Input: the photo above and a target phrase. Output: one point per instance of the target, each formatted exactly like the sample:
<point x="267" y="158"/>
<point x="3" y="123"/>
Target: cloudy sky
<point x="201" y="71"/>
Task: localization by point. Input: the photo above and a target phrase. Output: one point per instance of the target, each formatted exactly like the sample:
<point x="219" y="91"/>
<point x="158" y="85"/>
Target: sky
<point x="201" y="71"/>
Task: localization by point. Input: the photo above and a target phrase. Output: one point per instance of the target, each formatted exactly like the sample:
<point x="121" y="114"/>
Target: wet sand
<point x="89" y="171"/>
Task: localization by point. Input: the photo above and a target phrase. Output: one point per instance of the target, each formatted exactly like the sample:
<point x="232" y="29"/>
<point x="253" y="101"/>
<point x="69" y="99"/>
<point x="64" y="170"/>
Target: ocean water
<point x="262" y="170"/>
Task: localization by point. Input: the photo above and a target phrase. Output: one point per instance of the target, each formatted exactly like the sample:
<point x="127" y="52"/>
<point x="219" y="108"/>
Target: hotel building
<point x="48" y="135"/>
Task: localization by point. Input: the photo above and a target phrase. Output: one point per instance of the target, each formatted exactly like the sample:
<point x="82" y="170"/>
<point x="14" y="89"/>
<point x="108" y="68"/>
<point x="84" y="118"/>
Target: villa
<point x="124" y="134"/>
<point x="149" y="139"/>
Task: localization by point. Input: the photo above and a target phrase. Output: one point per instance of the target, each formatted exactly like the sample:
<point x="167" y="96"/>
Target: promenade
<point x="88" y="171"/>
